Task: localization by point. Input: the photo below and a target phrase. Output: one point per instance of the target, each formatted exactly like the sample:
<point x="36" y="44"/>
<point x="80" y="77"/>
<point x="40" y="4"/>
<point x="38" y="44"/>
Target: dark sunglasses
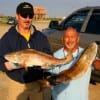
<point x="27" y="15"/>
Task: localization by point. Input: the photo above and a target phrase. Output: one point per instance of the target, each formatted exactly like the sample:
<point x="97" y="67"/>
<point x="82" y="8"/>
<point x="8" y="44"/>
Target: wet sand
<point x="94" y="90"/>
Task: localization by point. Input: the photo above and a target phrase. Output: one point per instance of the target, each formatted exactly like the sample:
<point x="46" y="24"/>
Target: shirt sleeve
<point x="3" y="50"/>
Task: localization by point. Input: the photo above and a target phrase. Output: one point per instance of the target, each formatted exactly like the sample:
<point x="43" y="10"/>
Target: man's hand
<point x="54" y="80"/>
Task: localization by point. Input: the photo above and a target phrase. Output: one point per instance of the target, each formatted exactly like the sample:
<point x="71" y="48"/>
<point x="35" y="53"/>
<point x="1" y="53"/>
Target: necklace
<point x="75" y="56"/>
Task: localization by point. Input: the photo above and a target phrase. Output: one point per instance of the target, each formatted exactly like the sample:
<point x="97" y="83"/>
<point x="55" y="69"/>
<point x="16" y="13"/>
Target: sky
<point x="55" y="8"/>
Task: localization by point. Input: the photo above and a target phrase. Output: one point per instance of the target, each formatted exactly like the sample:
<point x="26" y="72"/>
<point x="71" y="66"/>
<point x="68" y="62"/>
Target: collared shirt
<point x="76" y="89"/>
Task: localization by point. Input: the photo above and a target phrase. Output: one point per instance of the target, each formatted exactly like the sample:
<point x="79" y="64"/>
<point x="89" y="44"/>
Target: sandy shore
<point x="39" y="25"/>
<point x="94" y="90"/>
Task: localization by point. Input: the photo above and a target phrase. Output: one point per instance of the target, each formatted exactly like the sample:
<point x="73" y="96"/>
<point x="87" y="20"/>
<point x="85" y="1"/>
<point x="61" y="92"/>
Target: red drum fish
<point x="31" y="58"/>
<point x="77" y="70"/>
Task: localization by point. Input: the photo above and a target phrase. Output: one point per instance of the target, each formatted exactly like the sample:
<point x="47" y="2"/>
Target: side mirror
<point x="53" y="24"/>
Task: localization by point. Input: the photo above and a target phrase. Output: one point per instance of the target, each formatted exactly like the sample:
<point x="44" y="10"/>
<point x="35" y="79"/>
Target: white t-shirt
<point x="76" y="89"/>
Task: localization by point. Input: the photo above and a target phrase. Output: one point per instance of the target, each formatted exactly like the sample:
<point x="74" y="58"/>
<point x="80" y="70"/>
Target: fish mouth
<point x="6" y="57"/>
<point x="10" y="58"/>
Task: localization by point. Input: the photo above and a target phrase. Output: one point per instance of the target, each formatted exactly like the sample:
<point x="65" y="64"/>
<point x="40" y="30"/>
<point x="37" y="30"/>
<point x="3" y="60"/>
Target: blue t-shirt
<point x="76" y="89"/>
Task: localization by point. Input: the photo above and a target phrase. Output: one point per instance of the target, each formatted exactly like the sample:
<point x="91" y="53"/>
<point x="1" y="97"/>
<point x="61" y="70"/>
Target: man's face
<point x="24" y="21"/>
<point x="70" y="39"/>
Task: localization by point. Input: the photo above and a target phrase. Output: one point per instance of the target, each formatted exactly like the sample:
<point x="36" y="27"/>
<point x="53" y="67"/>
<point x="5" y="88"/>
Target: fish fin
<point x="24" y="65"/>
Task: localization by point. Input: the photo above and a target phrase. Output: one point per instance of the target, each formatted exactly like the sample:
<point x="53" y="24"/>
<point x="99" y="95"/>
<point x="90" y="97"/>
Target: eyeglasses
<point x="27" y="15"/>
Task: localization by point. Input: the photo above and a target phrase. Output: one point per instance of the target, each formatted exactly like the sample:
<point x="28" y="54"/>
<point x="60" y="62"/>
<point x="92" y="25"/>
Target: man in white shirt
<point x="76" y="89"/>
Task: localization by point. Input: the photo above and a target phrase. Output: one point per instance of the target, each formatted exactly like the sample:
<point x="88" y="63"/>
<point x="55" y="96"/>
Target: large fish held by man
<point x="77" y="70"/>
<point x="32" y="57"/>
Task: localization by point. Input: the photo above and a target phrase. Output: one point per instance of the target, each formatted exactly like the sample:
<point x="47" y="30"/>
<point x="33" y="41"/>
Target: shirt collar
<point x="31" y="28"/>
<point x="75" y="54"/>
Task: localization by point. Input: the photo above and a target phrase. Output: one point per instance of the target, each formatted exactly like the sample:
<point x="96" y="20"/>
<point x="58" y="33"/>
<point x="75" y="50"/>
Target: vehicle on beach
<point x="11" y="21"/>
<point x="86" y="21"/>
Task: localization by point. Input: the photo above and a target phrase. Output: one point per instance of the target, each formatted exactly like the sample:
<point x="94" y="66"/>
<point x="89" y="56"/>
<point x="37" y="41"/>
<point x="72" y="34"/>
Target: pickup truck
<point x="86" y="21"/>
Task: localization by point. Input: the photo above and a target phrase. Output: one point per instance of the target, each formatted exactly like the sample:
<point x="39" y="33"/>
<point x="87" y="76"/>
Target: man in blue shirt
<point x="75" y="89"/>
